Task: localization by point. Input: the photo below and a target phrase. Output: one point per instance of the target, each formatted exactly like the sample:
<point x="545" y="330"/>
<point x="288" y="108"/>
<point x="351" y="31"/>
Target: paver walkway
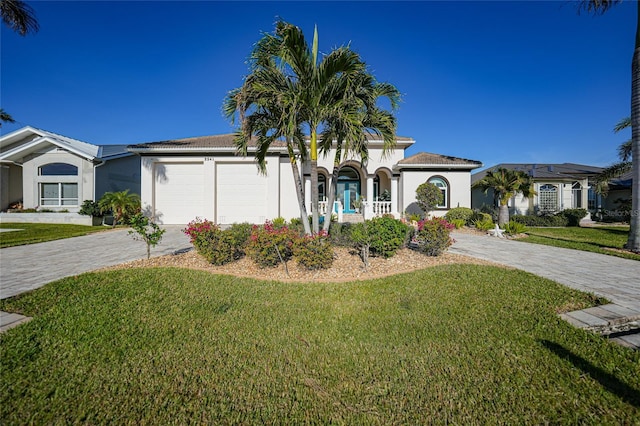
<point x="612" y="277"/>
<point x="28" y="267"/>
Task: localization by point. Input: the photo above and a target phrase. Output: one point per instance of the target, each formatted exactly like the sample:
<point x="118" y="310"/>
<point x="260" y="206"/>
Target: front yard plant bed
<point x="461" y="344"/>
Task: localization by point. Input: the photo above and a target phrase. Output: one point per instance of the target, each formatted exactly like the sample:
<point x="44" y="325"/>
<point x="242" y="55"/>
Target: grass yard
<point x="597" y="239"/>
<point x="455" y="344"/>
<point x="31" y="233"/>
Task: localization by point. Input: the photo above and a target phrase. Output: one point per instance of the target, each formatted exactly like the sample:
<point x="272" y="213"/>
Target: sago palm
<point x="121" y="204"/>
<point x="506" y="184"/>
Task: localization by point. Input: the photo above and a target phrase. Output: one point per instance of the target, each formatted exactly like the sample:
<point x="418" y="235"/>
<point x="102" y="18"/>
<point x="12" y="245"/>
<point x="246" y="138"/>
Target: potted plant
<point x="91" y="208"/>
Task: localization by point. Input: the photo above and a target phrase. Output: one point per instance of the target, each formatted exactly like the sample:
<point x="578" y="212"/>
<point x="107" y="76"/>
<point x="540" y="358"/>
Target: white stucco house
<point x="558" y="187"/>
<point x="41" y="169"/>
<point x="204" y="177"/>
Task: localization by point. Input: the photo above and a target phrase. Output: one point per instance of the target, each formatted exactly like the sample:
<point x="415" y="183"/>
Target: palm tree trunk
<point x="315" y="205"/>
<point x="503" y="214"/>
<point x="333" y="188"/>
<point x="633" y="243"/>
<point x="300" y="194"/>
<point x="331" y="198"/>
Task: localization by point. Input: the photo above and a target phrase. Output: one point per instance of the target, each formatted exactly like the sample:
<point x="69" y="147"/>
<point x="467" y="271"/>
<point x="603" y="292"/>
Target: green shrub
<point x="514" y="228"/>
<point x="387" y="235"/>
<point x="534" y="220"/>
<point x="433" y="236"/>
<point x="573" y="216"/>
<point x="457" y="213"/>
<point x="90" y="208"/>
<point x="340" y="234"/>
<point x="279" y="222"/>
<point x="361" y="239"/>
<point x="314" y="251"/>
<point x="480" y="216"/>
<point x="458" y="223"/>
<point x="269" y="246"/>
<point x="483" y="224"/>
<point x="428" y="197"/>
<point x="241" y="233"/>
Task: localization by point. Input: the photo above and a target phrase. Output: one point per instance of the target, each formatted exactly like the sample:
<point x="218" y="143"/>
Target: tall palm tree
<point x="264" y="105"/>
<point x="319" y="85"/>
<point x="5" y="117"/>
<point x="19" y="16"/>
<point x="622" y="166"/>
<point x="599" y="7"/>
<point x="345" y="131"/>
<point x="505" y="184"/>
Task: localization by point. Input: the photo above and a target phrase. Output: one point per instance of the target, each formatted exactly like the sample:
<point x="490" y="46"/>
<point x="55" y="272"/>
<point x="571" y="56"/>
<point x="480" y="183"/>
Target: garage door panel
<point x="241" y="193"/>
<point x="179" y="192"/>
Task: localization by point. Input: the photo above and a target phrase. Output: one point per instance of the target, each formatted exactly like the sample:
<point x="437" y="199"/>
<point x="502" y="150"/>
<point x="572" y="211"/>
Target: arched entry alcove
<point x="348" y="190"/>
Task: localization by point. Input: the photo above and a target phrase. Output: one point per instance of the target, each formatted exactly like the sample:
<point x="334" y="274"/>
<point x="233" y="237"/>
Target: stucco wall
<point x="31" y="180"/>
<point x="459" y="189"/>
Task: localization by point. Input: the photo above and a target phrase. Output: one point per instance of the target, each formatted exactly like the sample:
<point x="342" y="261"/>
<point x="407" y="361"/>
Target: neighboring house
<point x="619" y="192"/>
<point x="558" y="187"/>
<point x="41" y="169"/>
<point x="204" y="177"/>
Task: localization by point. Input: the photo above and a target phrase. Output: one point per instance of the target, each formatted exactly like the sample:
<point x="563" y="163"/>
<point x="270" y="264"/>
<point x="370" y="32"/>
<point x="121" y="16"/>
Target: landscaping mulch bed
<point x="347" y="266"/>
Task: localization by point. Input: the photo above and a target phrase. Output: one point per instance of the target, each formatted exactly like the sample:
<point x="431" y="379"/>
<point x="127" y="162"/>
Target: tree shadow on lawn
<point x="622" y="390"/>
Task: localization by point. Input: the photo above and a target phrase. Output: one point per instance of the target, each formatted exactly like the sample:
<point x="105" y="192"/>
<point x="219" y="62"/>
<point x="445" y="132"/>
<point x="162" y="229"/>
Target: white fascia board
<point x="41" y="141"/>
<point x="19" y="134"/>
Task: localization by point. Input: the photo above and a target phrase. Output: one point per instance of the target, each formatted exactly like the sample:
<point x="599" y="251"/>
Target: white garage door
<point x="179" y="192"/>
<point x="241" y="193"/>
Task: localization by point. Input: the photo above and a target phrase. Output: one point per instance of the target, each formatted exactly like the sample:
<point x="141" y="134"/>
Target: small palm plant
<point x="121" y="204"/>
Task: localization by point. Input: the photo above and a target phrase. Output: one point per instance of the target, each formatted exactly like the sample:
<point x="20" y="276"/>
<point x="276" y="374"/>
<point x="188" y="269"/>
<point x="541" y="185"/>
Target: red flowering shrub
<point x="433" y="236"/>
<point x="314" y="251"/>
<point x="212" y="243"/>
<point x="269" y="245"/>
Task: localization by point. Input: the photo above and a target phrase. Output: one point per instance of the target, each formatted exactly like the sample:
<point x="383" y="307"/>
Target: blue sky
<point x="528" y="82"/>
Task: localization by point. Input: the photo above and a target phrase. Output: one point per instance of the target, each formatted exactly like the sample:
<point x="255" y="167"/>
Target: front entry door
<point x="348" y="192"/>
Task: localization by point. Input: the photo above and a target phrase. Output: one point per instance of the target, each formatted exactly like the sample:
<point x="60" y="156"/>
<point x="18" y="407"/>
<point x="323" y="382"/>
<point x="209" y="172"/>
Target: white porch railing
<point x="381" y="208"/>
<point x="322" y="207"/>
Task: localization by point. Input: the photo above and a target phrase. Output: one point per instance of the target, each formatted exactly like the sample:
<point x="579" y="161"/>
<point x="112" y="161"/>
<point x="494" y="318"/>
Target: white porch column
<point x="370" y="188"/>
<point x="394" y="196"/>
<point x="307" y="193"/>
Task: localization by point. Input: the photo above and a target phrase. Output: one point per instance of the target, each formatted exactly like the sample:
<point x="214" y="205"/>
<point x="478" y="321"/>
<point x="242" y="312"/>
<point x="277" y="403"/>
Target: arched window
<point x="444" y="187"/>
<point x="58" y="169"/>
<point x="548" y="198"/>
<point x="576" y="195"/>
<point x="61" y="191"/>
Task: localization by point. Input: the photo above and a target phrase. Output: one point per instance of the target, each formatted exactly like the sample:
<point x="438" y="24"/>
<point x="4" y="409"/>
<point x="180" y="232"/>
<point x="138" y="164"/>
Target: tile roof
<point x="221" y="142"/>
<point x="564" y="171"/>
<point x="195" y="143"/>
<point x="428" y="159"/>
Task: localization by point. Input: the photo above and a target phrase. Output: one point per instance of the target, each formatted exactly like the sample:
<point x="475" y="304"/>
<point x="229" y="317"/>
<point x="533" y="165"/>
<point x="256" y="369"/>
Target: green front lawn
<point x="454" y="344"/>
<point x="30" y="233"/>
<point x="597" y="239"/>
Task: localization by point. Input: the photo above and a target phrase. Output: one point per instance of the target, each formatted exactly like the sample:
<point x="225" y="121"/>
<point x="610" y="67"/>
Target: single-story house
<point x="557" y="186"/>
<point x="204" y="177"/>
<point x="41" y="169"/>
